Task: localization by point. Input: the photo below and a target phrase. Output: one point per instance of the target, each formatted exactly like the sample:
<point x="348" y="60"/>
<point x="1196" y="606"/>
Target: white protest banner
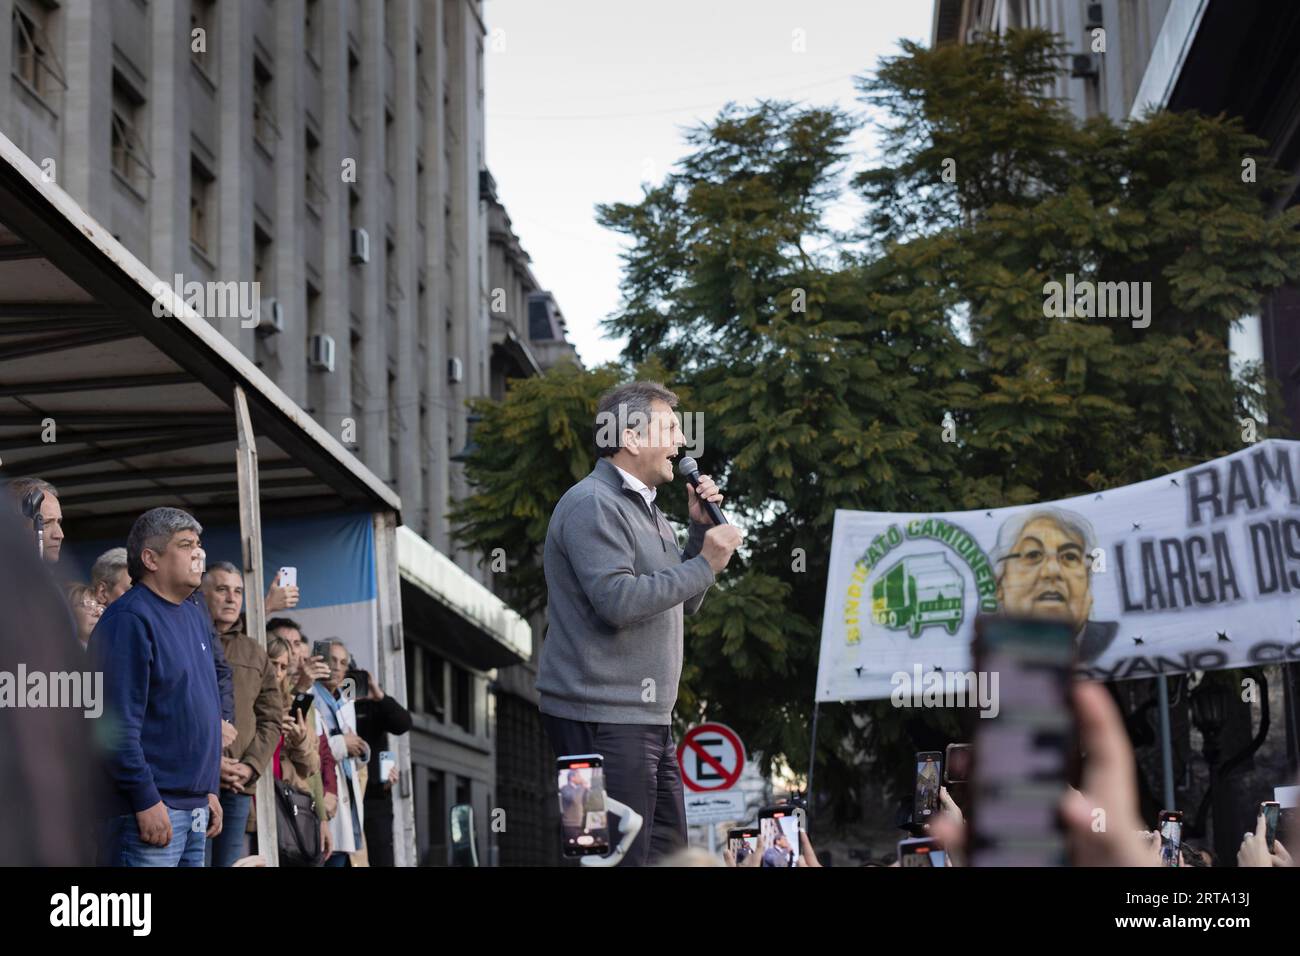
<point x="1198" y="570"/>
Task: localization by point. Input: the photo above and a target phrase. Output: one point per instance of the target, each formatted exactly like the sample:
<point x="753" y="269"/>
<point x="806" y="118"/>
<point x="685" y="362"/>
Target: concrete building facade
<point x="332" y="152"/>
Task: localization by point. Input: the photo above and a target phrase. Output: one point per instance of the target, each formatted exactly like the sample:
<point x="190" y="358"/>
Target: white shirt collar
<point x="637" y="485"/>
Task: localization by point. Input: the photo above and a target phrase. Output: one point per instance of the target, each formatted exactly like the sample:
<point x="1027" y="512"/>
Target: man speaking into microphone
<point x="617" y="586"/>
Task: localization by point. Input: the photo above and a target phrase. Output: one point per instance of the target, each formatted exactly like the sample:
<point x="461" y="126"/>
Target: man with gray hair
<point x="257" y="709"/>
<point x="39" y="504"/>
<point x="109" y="579"/>
<point x="153" y="646"/>
<point x="612" y="658"/>
<point x="1042" y="564"/>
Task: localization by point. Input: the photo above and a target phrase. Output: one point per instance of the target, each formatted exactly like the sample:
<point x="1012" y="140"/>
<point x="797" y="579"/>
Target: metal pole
<point x="812" y="762"/>
<point x="1166" y="742"/>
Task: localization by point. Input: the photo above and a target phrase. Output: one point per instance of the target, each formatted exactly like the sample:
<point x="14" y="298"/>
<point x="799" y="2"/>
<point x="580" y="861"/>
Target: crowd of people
<point x="1101" y="819"/>
<point x="198" y="711"/>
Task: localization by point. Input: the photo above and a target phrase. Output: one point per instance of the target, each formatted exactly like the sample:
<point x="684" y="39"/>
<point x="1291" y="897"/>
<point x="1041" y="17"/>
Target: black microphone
<point x="689" y="470"/>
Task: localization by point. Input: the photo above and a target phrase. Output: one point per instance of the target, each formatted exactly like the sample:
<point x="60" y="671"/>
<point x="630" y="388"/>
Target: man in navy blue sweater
<point x="162" y="704"/>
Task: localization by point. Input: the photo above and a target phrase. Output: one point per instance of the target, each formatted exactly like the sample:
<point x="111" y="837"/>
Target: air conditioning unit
<point x="322" y="352"/>
<point x="270" y="319"/>
<point x="1083" y="65"/>
<point x="360" y="245"/>
<point x="455" y="371"/>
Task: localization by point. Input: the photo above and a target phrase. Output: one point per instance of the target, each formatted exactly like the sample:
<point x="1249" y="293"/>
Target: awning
<point x="441" y="603"/>
<point x="139" y="406"/>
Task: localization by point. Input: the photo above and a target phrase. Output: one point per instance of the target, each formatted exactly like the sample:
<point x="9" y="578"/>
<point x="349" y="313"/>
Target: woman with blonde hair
<point x="297" y="756"/>
<point x="86" y="610"/>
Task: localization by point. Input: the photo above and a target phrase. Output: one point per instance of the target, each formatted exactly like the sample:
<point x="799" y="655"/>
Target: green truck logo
<point x="919" y="591"/>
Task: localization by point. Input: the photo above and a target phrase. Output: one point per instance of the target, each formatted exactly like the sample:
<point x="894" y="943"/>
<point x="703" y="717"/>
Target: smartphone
<point x="956" y="773"/>
<point x="925" y="794"/>
<point x="584" y="821"/>
<point x="780" y="826"/>
<point x="360" y="683"/>
<point x="742" y="841"/>
<point x="301" y="702"/>
<point x="463" y="849"/>
<point x="1022" y="759"/>
<point x="387" y="761"/>
<point x="1271" y="810"/>
<point x="288" y="577"/>
<point x="923" y="851"/>
<point x="321" y="649"/>
<point x="956" y="764"/>
<point x="1171" y="837"/>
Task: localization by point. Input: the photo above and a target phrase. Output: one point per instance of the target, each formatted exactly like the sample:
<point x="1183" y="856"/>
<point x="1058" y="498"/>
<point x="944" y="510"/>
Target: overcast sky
<point x="587" y="100"/>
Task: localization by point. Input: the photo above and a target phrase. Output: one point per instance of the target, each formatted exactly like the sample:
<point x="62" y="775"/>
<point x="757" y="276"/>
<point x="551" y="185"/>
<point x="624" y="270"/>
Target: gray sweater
<point x="616" y="587"/>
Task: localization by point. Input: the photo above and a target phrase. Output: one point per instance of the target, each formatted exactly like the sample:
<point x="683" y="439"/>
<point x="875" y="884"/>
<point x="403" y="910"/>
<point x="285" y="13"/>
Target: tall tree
<point x="824" y="367"/>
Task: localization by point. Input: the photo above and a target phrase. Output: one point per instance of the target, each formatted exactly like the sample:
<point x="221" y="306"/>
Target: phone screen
<point x="925" y="801"/>
<point x="1171" y="837"/>
<point x="1271" y="810"/>
<point x="1021" y="760"/>
<point x="360" y="683"/>
<point x="742" y="843"/>
<point x="584" y="821"/>
<point x="956" y="764"/>
<point x="779" y="827"/>
<point x="921" y="852"/>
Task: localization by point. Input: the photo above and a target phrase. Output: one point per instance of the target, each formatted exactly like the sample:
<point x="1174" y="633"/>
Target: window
<point x="431" y="666"/>
<point x="313" y="311"/>
<point x="390" y="147"/>
<point x="314" y="187"/>
<point x="394" y="428"/>
<point x="395" y="291"/>
<point x="201" y="193"/>
<point x="265" y="128"/>
<point x="130" y="156"/>
<point x="462" y="699"/>
<point x="436" y="822"/>
<point x="354" y="88"/>
<point x="34" y="59"/>
<point x="203" y="21"/>
<point x="262" y="273"/>
<point x="358" y="375"/>
<point x="311" y="29"/>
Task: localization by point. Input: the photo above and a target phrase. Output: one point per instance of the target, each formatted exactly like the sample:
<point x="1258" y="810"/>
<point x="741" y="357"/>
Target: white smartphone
<point x="387" y="761"/>
<point x="288" y="577"/>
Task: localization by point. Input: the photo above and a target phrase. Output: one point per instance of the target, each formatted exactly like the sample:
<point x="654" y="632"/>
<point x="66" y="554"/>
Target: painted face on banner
<point x="1046" y="575"/>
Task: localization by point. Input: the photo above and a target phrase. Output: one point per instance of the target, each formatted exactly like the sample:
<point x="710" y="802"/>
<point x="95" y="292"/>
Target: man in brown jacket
<point x="258" y="711"/>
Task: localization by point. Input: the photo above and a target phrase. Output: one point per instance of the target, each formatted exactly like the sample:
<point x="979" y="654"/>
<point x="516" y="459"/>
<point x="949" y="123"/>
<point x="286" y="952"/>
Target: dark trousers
<point x="640" y="762"/>
<point x="379" y="831"/>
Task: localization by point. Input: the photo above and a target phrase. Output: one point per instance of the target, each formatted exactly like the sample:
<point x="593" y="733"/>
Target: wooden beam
<point x="65" y="343"/>
<point x="51" y="463"/>
<point x="62" y="386"/>
<point x="250" y="533"/>
<point x="165" y="474"/>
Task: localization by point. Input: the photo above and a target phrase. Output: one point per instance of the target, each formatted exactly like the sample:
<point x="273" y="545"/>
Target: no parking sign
<point x="711" y="757"/>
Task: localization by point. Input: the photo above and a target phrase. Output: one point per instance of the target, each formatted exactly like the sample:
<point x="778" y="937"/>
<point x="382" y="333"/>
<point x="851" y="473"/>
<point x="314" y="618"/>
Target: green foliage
<point x="824" y="369"/>
<point x="531" y="448"/>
